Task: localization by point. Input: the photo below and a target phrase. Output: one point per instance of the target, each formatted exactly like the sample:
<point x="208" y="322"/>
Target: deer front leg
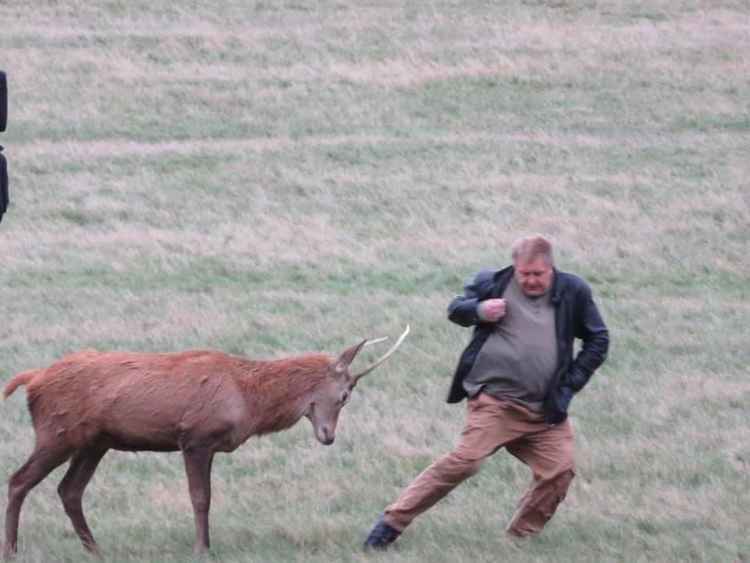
<point x="198" y="467"/>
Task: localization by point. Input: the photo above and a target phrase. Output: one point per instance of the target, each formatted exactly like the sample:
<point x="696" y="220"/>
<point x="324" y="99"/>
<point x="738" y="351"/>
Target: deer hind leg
<point x="198" y="468"/>
<point x="42" y="461"/>
<point x="71" y="488"/>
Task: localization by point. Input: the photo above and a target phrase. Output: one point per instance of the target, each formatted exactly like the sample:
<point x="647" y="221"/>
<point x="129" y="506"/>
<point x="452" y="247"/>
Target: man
<point x="519" y="374"/>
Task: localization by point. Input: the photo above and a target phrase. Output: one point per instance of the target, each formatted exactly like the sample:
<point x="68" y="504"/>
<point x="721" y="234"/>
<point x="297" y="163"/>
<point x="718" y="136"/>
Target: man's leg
<point x="550" y="455"/>
<point x="484" y="433"/>
<point x="478" y="440"/>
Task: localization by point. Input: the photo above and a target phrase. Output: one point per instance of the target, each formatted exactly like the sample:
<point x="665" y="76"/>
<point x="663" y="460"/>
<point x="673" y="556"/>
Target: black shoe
<point x="381" y="536"/>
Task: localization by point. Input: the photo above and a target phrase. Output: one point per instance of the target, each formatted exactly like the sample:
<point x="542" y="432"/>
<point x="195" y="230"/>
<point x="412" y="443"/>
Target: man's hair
<point x="530" y="248"/>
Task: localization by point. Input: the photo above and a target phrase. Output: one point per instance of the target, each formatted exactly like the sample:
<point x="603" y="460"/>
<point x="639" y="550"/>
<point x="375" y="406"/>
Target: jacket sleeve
<point x="463" y="309"/>
<point x="592" y="331"/>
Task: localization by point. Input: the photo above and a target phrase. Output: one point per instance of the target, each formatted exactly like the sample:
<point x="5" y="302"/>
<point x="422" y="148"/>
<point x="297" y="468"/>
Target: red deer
<point x="196" y="402"/>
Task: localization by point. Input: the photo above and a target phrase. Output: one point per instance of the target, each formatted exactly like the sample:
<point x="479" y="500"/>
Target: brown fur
<point x="199" y="402"/>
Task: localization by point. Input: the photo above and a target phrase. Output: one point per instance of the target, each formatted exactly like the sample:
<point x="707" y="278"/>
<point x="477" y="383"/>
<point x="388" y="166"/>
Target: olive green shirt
<point x="519" y="359"/>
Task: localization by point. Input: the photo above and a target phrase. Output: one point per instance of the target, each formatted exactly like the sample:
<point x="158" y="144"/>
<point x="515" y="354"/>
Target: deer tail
<point x="21" y="379"/>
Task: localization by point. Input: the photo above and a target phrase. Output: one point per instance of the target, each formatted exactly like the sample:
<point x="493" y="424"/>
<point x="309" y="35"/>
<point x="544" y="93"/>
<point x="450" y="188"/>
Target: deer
<point x="197" y="402"/>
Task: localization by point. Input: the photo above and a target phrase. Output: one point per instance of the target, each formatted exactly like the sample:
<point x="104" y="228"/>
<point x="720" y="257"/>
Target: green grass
<point x="272" y="178"/>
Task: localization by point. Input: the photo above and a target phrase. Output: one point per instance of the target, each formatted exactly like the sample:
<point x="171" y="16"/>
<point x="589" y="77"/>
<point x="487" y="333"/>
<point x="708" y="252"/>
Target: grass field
<point x="277" y="177"/>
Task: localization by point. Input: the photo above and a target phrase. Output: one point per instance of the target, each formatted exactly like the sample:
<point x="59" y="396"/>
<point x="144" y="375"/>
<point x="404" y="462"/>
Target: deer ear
<point x="347" y="357"/>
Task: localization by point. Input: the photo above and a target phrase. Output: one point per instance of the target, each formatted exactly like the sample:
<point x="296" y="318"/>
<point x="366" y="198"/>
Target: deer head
<point x="334" y="393"/>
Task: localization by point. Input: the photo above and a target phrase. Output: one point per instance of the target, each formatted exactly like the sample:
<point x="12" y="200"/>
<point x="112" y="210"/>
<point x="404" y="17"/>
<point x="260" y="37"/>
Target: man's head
<point x="533" y="264"/>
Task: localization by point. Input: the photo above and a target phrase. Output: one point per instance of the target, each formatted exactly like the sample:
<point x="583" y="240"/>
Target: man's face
<point x="534" y="276"/>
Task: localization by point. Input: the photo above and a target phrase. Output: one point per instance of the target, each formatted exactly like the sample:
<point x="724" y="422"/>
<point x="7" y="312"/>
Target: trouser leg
<point x="483" y="434"/>
<point x="429" y="487"/>
<point x="550" y="456"/>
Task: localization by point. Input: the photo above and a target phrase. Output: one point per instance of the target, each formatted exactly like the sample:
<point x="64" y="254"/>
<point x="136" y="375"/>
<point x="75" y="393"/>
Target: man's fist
<point x="491" y="310"/>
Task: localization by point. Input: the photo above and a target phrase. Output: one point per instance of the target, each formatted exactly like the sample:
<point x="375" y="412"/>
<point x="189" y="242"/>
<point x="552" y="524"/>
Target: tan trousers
<point x="490" y="425"/>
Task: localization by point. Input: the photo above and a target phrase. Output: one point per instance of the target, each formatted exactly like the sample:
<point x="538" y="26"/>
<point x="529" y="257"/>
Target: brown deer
<point x="197" y="402"/>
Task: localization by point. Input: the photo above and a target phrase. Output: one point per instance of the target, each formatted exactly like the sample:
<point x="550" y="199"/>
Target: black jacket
<point x="576" y="316"/>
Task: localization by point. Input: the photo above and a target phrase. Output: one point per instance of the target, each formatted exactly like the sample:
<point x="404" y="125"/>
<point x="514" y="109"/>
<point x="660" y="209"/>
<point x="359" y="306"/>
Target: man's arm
<point x="590" y="328"/>
<point x="473" y="307"/>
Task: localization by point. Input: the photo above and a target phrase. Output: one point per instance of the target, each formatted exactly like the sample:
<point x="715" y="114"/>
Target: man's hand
<point x="491" y="310"/>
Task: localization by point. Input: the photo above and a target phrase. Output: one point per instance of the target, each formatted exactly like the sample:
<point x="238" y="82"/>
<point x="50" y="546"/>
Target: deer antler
<point x="383" y="358"/>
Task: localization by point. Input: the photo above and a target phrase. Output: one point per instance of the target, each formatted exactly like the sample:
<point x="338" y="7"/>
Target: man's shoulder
<point x="487" y="282"/>
<point x="491" y="274"/>
<point x="568" y="282"/>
